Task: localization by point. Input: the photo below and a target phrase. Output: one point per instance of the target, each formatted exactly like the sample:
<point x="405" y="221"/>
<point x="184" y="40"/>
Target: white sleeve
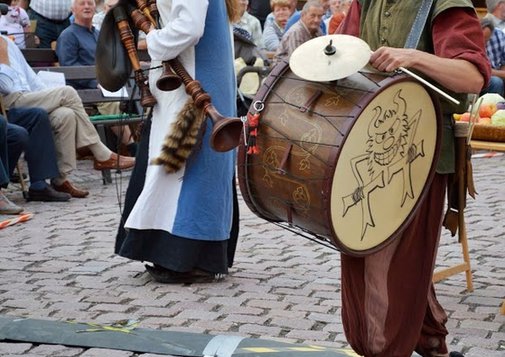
<point x="183" y="30"/>
<point x="32" y="79"/>
<point x="6" y="82"/>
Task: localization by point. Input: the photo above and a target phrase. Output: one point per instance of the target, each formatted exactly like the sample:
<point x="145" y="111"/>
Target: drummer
<point x="307" y="28"/>
<point x="389" y="307"/>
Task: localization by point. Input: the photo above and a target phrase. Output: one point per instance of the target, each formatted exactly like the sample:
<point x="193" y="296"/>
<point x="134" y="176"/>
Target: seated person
<point x="338" y="9"/>
<point x="249" y="23"/>
<point x="16" y="22"/>
<point x="292" y="11"/>
<point x="72" y="128"/>
<point x="6" y="205"/>
<point x="306" y="29"/>
<point x="297" y="14"/>
<point x="273" y="31"/>
<point x="29" y="131"/>
<point x="35" y="139"/>
<point x="495" y="50"/>
<point x="76" y="46"/>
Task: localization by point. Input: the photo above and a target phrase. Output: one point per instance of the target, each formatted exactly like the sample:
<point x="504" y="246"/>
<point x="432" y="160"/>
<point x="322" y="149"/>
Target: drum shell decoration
<point x="309" y="174"/>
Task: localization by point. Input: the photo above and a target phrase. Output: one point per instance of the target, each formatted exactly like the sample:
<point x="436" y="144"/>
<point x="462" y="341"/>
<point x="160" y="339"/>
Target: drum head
<point x="383" y="167"/>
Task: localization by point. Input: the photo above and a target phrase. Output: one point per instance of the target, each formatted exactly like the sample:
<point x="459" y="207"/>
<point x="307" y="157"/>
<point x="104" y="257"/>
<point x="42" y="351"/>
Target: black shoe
<point x="48" y="194"/>
<point x="167" y="276"/>
<point x="456" y="354"/>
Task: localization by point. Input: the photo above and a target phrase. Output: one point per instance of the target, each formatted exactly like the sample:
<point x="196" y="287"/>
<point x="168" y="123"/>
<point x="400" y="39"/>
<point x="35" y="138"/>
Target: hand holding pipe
<point x="168" y="80"/>
<point x="226" y="132"/>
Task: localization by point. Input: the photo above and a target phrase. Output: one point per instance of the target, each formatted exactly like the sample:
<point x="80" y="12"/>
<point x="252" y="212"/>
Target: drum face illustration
<point x="348" y="161"/>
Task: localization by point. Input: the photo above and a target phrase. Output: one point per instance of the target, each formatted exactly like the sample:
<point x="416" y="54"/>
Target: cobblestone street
<point x="60" y="266"/>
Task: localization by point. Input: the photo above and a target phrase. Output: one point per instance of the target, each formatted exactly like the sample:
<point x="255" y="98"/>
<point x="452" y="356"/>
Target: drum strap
<point x="418" y="25"/>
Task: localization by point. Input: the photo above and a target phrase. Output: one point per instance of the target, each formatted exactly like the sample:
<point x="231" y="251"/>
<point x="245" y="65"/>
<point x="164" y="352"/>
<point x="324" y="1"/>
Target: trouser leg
<point x="55" y="98"/>
<point x="40" y="152"/>
<point x="64" y="131"/>
<point x="4" y="177"/>
<point x="385" y="294"/>
<point x="71" y="126"/>
<point x="17" y="141"/>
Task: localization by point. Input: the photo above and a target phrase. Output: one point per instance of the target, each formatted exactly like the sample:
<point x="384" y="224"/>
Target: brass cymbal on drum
<point x="328" y="58"/>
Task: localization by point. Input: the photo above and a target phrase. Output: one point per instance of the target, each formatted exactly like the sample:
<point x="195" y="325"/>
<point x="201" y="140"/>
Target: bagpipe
<point x="117" y="57"/>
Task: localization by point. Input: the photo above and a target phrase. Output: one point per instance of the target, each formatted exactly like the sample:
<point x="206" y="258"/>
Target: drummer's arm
<point x="446" y="71"/>
<point x="458" y="41"/>
<point x="460" y="63"/>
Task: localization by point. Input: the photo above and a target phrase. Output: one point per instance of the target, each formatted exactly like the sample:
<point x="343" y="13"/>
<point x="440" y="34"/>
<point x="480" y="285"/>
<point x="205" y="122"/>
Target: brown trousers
<point x="389" y="307"/>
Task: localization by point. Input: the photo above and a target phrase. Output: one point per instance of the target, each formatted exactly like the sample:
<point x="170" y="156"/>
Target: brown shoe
<point x="115" y="161"/>
<point x="71" y="189"/>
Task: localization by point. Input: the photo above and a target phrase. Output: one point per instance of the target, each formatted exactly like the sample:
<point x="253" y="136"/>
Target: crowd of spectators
<point x="266" y="22"/>
<point x="49" y="124"/>
<point x="493" y="26"/>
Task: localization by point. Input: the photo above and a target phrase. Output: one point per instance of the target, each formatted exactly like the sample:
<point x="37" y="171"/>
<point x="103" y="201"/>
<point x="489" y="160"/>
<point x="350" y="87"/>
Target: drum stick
<point x="428" y="84"/>
<point x="474" y="115"/>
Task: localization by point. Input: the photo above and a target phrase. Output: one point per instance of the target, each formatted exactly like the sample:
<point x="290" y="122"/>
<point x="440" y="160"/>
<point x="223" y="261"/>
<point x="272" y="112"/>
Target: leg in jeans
<point x="17" y="142"/>
<point x="54" y="98"/>
<point x="4" y="177"/>
<point x="496" y="85"/>
<point x="40" y="152"/>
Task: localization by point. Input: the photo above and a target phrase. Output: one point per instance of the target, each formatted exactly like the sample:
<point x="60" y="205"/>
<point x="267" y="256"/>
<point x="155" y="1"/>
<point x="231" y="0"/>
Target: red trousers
<point x="389" y="307"/>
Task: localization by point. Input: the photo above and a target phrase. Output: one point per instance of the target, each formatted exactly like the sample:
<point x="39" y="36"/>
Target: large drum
<point x="348" y="161"/>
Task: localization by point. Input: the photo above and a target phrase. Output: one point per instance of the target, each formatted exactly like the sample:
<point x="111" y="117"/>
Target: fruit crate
<point x="485" y="132"/>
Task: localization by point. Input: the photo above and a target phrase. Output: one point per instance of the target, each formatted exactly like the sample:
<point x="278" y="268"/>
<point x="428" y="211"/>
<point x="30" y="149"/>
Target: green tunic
<point x="378" y="27"/>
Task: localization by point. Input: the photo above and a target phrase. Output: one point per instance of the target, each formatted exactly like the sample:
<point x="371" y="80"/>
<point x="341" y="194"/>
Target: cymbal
<point x="328" y="58"/>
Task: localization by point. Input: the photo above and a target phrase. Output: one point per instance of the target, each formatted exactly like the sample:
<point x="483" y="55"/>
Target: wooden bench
<point x="45" y="59"/>
<point x="37" y="57"/>
<point x="91" y="97"/>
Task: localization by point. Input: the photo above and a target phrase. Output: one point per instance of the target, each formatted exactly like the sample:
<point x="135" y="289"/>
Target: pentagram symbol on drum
<point x="391" y="148"/>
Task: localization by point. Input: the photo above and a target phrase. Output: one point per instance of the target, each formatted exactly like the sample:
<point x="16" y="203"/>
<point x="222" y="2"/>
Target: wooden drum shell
<point x="302" y="133"/>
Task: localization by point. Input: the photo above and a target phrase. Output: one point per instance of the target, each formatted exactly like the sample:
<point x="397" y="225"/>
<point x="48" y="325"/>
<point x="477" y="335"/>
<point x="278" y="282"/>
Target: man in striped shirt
<point x="495" y="50"/>
<point x="52" y="18"/>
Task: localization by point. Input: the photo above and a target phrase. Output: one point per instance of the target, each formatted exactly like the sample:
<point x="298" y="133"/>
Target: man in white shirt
<point x="72" y="128"/>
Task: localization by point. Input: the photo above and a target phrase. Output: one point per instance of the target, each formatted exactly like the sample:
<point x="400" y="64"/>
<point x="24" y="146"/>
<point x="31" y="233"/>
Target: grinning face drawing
<point x="387" y="135"/>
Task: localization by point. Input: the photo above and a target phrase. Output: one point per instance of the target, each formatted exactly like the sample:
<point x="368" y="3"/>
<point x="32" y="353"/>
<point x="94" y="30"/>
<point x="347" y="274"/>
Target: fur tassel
<point x="179" y="143"/>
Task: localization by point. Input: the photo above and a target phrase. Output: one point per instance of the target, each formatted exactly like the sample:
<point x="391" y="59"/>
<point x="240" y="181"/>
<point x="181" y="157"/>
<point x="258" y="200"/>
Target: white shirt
<point x="177" y="36"/>
<point x="19" y="76"/>
<point x="52" y="9"/>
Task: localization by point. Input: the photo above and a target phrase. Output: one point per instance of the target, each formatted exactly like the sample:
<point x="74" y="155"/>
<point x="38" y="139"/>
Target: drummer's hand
<point x="389" y="59"/>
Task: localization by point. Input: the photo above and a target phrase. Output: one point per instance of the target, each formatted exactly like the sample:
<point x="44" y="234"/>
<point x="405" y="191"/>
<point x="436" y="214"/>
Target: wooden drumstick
<point x="428" y="84"/>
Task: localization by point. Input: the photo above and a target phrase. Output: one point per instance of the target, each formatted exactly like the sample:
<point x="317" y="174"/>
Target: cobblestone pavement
<point x="60" y="266"/>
